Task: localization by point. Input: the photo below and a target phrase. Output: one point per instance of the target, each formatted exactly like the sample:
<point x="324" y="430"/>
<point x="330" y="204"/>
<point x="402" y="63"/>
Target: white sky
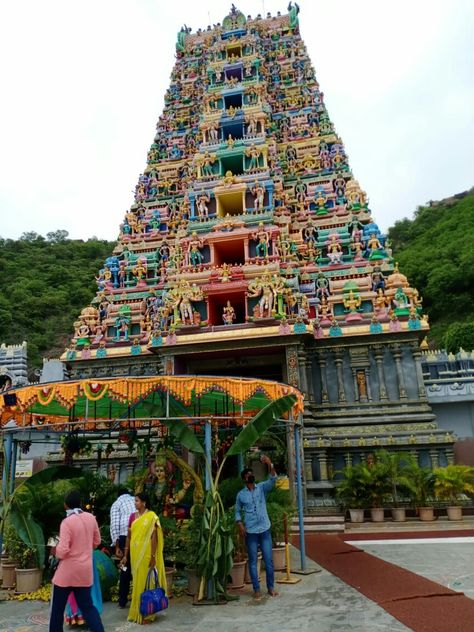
<point x="82" y="86"/>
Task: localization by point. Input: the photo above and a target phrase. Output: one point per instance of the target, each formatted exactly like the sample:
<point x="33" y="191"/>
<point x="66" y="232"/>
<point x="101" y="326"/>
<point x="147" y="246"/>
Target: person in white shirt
<point x="119" y="515"/>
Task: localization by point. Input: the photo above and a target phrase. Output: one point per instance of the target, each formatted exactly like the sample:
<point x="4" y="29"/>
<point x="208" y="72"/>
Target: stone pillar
<point x="338" y="359"/>
<point x="450" y="456"/>
<point x="292" y="369"/>
<point x="130" y="468"/>
<point x="309" y="376"/>
<point x="246" y="250"/>
<point x="434" y="456"/>
<point x="330" y="467"/>
<point x="397" y="355"/>
<point x="303" y="376"/>
<point x="416" y="352"/>
<point x="348" y="459"/>
<point x="378" y="354"/>
<point x="323" y="465"/>
<point x="324" y="384"/>
<point x="308" y="466"/>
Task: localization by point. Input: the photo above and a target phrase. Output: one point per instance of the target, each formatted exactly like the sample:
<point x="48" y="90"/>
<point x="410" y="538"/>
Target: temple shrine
<point x="250" y="250"/>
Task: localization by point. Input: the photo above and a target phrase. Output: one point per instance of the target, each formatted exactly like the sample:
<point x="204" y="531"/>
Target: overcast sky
<point x="82" y="86"/>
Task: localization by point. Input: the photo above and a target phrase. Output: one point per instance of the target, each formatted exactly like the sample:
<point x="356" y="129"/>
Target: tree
<point x="43" y="286"/>
<point x="459" y="335"/>
<point x="57" y="236"/>
<point x="435" y="251"/>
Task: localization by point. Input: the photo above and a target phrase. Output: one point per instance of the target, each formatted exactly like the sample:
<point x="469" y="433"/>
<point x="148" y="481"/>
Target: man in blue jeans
<point x="255" y="524"/>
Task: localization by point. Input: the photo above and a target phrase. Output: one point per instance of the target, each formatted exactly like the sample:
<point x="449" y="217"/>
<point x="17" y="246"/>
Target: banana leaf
<point x="183" y="433"/>
<point x="260" y="424"/>
<point x="30" y="532"/>
<point x="54" y="473"/>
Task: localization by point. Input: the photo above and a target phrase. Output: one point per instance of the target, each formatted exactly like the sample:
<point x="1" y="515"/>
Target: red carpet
<point x="420" y="604"/>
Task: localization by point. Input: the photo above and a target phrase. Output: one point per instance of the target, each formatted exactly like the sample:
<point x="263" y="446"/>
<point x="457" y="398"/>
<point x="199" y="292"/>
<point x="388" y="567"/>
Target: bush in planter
<point x="421" y="488"/>
<point x="352" y="490"/>
<point x="27" y="567"/>
<point x="397" y="468"/>
<point x="17" y="508"/>
<point x="452" y="481"/>
<point x="277" y="514"/>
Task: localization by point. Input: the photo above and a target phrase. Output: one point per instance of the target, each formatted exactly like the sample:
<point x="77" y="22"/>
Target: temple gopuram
<point x="250" y="250"/>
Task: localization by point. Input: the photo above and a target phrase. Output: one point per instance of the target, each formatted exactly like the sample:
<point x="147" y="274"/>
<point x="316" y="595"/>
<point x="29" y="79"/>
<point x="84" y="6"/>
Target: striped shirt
<point x="119" y="515"/>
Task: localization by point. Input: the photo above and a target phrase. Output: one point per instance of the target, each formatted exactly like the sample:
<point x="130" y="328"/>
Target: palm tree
<point x="396" y="466"/>
<point x="452" y="481"/>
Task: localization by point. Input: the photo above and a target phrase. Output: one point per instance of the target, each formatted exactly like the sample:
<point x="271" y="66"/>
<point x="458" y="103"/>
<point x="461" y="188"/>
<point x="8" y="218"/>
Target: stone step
<point x="320" y="524"/>
<point x="319" y="528"/>
<point x="320" y="519"/>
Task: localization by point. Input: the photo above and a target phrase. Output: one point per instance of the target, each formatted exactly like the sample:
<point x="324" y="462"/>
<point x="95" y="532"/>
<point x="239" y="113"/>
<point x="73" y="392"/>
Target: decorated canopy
<point x="141" y="399"/>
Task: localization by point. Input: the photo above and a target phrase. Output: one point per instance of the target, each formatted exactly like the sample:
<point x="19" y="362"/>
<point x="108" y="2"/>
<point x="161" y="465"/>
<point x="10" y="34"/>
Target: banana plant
<point x="215" y="556"/>
<point x="17" y="507"/>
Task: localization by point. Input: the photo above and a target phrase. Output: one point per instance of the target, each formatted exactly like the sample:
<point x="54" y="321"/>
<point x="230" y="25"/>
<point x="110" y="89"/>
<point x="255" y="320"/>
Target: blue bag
<point x="152" y="600"/>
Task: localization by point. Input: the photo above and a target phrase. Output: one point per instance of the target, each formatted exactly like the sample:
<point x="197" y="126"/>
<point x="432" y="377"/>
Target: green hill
<point x="44" y="284"/>
<point x="436" y="251"/>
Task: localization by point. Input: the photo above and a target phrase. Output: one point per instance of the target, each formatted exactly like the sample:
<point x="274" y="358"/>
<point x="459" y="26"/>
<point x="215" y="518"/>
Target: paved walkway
<point x="319" y="601"/>
<point x="446" y="562"/>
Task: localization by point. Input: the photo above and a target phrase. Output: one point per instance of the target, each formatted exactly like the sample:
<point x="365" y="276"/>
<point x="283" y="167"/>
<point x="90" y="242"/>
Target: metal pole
<point x="208" y="449"/>
<point x="7" y="458"/>
<point x="7" y="452"/>
<point x="13" y="466"/>
<point x="299" y="495"/>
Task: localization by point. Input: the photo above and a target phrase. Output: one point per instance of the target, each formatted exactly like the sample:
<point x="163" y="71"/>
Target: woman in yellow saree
<point x="145" y="543"/>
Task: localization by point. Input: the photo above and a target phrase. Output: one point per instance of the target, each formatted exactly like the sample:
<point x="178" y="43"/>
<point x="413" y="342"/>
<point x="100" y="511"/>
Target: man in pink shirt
<point x="78" y="536"/>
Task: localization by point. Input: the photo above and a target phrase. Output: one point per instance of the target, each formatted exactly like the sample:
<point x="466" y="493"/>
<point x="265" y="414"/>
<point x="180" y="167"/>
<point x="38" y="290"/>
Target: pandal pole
<point x="288" y="579"/>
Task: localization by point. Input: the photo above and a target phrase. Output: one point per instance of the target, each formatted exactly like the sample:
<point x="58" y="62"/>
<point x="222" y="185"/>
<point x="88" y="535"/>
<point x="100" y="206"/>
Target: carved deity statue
<point x="263" y="239"/>
<point x="195" y="256"/>
<point x="228" y="315"/>
<point x="202" y="202"/>
<point x="334" y="250"/>
<point x="253" y="153"/>
<point x="258" y="191"/>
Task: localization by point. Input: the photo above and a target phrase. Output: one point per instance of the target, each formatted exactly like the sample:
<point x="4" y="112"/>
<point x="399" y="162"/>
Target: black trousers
<point x="125" y="576"/>
<point x="84" y="601"/>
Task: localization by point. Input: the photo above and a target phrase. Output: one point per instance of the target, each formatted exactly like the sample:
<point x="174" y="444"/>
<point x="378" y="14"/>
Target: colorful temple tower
<point x="250" y="250"/>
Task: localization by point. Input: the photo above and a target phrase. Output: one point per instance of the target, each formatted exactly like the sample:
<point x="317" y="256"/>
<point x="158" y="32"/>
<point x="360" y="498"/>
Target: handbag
<point x="152" y="600"/>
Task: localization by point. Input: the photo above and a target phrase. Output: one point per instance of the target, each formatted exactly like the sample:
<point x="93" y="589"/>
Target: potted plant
<point x="396" y="471"/>
<point x="421" y="488"/>
<point x="27" y="571"/>
<point x="72" y="443"/>
<point x="16" y="510"/>
<point x="129" y="436"/>
<point x="378" y="488"/>
<point x="277" y="513"/>
<point x="239" y="565"/>
<point x="450" y="484"/>
<point x="190" y="549"/>
<point x="8" y="563"/>
<point x="352" y="490"/>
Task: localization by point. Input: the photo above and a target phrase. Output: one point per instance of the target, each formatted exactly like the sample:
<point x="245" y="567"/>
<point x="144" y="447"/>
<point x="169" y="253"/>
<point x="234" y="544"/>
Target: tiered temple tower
<point x="250" y="250"/>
